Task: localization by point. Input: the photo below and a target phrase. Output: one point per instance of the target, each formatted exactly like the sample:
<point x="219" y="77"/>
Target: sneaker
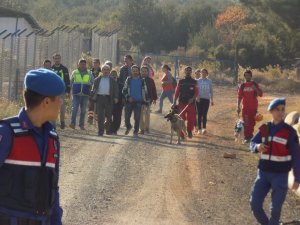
<point x="100" y="134"/>
<point x="127" y="131"/>
<point x="82" y="128"/>
<point x="135" y="134"/>
<point x="203" y="131"/>
<point x="142" y="132"/>
<point x="190" y="134"/>
<point x="158" y="111"/>
<point x="62" y="125"/>
<point x="72" y="126"/>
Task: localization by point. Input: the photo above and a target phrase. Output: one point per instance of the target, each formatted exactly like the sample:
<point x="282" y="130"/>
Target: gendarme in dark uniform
<point x="29" y="155"/>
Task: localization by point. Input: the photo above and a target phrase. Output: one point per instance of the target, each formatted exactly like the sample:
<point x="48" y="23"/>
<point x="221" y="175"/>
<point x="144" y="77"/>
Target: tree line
<point x="255" y="33"/>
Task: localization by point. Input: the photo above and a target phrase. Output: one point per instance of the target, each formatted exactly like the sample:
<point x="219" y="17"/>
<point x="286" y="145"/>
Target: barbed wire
<point x="22" y="51"/>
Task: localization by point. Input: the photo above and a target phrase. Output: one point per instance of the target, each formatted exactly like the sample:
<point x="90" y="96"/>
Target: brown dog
<point x="177" y="124"/>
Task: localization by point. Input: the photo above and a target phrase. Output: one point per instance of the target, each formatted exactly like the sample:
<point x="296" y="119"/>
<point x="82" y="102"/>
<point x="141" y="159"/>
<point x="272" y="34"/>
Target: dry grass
<point x="8" y="108"/>
<point x="275" y="79"/>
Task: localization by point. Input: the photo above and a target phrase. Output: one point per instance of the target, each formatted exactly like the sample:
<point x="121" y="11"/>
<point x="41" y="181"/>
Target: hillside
<point x="266" y="32"/>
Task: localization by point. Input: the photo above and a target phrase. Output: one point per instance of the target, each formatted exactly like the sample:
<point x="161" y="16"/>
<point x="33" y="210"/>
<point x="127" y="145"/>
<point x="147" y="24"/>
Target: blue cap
<point x="44" y="82"/>
<point x="276" y="102"/>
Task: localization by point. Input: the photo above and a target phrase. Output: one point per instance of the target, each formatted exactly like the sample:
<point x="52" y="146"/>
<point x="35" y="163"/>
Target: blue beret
<point x="276" y="102"/>
<point x="44" y="82"/>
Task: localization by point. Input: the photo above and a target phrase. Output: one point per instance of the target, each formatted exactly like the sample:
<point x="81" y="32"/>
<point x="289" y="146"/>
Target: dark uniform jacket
<point x="187" y="89"/>
<point x="63" y="72"/>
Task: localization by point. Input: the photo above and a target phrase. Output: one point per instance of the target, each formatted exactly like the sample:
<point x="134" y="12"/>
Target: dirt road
<point x="146" y="181"/>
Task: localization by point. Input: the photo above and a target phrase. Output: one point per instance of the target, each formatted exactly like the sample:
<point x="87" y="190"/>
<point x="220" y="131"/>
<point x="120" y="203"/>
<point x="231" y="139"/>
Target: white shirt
<point x="104" y="86"/>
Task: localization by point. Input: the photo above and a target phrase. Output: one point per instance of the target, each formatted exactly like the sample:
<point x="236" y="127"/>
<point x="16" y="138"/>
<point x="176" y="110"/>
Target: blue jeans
<point x="265" y="181"/>
<point x="164" y="95"/>
<point x="82" y="102"/>
<point x="136" y="108"/>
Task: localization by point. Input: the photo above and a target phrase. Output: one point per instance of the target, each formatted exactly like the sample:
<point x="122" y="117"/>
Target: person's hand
<point x="295" y="186"/>
<point x="198" y="99"/>
<point x="130" y="99"/>
<point x="116" y="100"/>
<point x="262" y="148"/>
<point x="212" y="103"/>
<point x="191" y="101"/>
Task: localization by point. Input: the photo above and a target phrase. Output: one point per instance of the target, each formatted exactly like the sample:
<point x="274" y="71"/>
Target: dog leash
<point x="184" y="109"/>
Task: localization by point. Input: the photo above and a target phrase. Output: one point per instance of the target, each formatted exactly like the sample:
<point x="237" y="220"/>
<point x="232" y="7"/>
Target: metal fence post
<point x="26" y="52"/>
<point x="176" y="67"/>
<point x="11" y="53"/>
<point x="19" y="53"/>
<point x="2" y="58"/>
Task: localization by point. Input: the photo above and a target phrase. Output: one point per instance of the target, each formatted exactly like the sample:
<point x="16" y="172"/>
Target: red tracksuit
<point x="185" y="90"/>
<point x="248" y="95"/>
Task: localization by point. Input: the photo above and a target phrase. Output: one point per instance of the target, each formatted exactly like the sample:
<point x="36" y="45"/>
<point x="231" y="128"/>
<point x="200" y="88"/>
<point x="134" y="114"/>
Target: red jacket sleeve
<point x="196" y="90"/>
<point x="259" y="91"/>
<point x="177" y="91"/>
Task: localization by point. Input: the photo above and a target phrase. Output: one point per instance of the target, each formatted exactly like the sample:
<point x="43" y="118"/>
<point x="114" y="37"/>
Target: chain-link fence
<point x="21" y="51"/>
<point x="105" y="45"/>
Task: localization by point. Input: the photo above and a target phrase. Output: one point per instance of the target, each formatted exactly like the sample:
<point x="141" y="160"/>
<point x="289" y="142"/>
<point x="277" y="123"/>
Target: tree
<point x="287" y="11"/>
<point x="140" y="20"/>
<point x="280" y="18"/>
<point x="231" y="22"/>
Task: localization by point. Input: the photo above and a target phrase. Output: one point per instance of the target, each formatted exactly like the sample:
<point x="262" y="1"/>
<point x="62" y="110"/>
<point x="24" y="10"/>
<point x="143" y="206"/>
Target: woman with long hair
<point x="147" y="62"/>
<point x="168" y="88"/>
<point x="204" y="99"/>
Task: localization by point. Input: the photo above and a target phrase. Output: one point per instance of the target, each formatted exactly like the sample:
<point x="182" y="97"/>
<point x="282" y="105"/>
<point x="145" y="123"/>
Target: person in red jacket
<point x="168" y="87"/>
<point x="187" y="92"/>
<point x="247" y="95"/>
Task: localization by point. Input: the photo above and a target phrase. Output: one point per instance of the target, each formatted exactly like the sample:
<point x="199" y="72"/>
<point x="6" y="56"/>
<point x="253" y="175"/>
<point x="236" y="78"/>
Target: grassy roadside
<point x="8" y="108"/>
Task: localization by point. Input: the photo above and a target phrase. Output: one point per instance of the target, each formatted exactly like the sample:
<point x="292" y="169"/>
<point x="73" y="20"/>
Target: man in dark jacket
<point x="125" y="72"/>
<point x="63" y="72"/>
<point x="105" y="93"/>
<point x="187" y="92"/>
<point x="96" y="69"/>
<point x="151" y="98"/>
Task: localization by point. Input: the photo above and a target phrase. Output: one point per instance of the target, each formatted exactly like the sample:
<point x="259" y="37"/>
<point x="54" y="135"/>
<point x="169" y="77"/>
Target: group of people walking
<point x="105" y="94"/>
<point x="30" y="148"/>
